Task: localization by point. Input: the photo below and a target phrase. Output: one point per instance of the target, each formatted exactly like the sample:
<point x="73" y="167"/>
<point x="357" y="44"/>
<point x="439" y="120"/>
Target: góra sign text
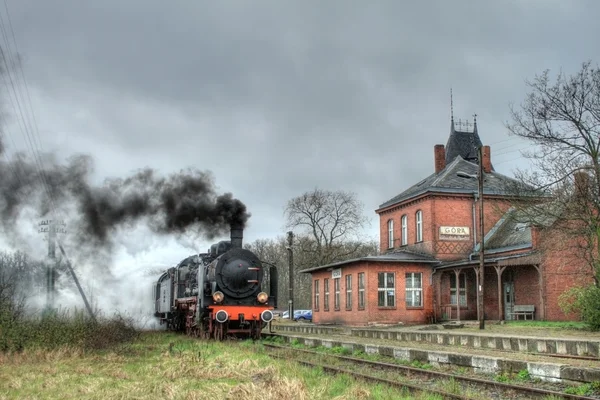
<point x="454" y="230"/>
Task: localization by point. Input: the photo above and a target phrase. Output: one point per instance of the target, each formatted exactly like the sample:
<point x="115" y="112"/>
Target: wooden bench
<point x="525" y="311"/>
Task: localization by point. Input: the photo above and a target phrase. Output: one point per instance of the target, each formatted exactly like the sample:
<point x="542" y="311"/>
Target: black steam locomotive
<point x="219" y="293"/>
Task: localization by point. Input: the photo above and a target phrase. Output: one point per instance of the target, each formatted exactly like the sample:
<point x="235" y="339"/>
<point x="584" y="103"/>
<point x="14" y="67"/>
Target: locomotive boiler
<point x="219" y="293"/>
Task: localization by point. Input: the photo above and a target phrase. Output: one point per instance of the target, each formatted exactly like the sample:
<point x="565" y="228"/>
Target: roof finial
<point x="451" y="107"/>
<point x="475" y="118"/>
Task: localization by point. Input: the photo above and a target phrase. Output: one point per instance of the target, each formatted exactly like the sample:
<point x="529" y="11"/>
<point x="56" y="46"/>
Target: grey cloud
<point x="279" y="97"/>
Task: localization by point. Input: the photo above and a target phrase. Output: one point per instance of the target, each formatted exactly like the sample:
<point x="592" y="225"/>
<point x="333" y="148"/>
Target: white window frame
<point x="390" y="234"/>
<point x="462" y="279"/>
<point x="419" y="222"/>
<point x="404" y="230"/>
<point x="316" y="305"/>
<point x="336" y="298"/>
<point x="361" y="290"/>
<point x="348" y="292"/>
<point x="414" y="294"/>
<point x="326" y="293"/>
<point x="388" y="292"/>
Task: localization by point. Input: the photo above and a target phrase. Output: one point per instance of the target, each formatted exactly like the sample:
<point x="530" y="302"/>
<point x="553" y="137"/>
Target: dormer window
<point x="391" y="234"/>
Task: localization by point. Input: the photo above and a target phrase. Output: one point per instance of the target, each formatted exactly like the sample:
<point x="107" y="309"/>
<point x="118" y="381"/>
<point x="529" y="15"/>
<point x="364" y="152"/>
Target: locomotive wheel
<point x="219" y="334"/>
<point x="202" y="331"/>
<point x="255" y="330"/>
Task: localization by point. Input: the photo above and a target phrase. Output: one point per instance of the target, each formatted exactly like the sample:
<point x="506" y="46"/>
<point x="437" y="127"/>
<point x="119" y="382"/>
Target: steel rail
<point x="444" y="375"/>
<point x="402" y="385"/>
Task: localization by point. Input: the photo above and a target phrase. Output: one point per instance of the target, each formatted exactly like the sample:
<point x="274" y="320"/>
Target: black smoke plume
<point x="179" y="203"/>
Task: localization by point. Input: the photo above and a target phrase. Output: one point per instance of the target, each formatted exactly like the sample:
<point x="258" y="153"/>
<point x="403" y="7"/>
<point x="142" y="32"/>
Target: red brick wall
<point x="372" y="313"/>
<point x="439" y="211"/>
<point x="527" y="287"/>
<point x="564" y="266"/>
<point x="410" y="210"/>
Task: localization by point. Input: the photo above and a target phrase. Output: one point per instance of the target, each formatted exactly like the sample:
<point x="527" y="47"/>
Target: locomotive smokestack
<point x="237" y="234"/>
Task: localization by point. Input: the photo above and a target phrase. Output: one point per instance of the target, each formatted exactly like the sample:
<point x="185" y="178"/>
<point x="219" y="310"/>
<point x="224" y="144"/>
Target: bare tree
<point x="19" y="276"/>
<point x="333" y="221"/>
<point x="562" y="120"/>
<point x="273" y="251"/>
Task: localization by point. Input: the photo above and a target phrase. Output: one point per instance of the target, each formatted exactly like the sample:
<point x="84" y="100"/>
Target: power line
<point x="27" y="127"/>
<point x="32" y="134"/>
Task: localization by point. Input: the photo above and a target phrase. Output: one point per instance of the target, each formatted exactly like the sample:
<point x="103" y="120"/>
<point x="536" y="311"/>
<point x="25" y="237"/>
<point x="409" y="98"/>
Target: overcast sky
<point x="279" y="97"/>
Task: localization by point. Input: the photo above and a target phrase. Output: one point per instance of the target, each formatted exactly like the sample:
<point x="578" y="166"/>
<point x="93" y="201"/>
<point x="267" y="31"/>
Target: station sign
<point x="336" y="273"/>
<point x="455" y="233"/>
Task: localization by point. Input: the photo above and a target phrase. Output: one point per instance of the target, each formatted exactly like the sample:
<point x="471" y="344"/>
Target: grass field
<point x="169" y="366"/>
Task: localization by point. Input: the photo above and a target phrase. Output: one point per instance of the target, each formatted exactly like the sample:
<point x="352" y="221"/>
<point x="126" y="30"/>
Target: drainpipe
<point x="367" y="305"/>
<point x="474" y="225"/>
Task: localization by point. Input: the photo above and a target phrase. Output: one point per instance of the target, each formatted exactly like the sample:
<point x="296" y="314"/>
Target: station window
<point x="386" y="288"/>
<point x="326" y="298"/>
<point x="414" y="289"/>
<point x="348" y="292"/>
<point x="316" y="305"/>
<point x="419" y="222"/>
<point x="404" y="230"/>
<point x="462" y="279"/>
<point x="336" y="299"/>
<point x="361" y="290"/>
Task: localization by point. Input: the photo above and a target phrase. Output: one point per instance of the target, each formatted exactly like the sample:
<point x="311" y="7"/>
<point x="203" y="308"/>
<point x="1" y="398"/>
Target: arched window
<point x="404" y="230"/>
<point x="419" y="226"/>
<point x="391" y="234"/>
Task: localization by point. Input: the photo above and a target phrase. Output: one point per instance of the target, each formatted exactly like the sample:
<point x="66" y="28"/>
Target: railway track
<point x="417" y="380"/>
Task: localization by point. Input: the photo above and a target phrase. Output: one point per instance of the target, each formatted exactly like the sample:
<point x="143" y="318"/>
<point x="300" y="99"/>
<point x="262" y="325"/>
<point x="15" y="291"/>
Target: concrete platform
<point x="563" y="346"/>
<point x="551" y="372"/>
<point x="454" y="337"/>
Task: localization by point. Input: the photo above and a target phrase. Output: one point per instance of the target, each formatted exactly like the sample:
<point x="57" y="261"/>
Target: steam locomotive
<point x="218" y="293"/>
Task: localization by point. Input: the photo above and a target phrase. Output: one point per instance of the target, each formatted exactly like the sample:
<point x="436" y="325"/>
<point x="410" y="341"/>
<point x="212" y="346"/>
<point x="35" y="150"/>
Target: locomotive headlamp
<point x="262" y="297"/>
<point x="221" y="316"/>
<point x="218" y="297"/>
<point x="266" y="316"/>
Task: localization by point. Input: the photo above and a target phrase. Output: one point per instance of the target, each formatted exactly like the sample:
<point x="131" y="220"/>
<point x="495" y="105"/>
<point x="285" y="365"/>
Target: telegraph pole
<point x="481" y="249"/>
<point x="291" y="274"/>
<point x="52" y="227"/>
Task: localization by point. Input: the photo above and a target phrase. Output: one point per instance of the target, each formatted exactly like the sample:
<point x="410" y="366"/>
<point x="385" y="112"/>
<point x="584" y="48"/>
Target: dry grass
<point x="167" y="366"/>
<point x="536" y="329"/>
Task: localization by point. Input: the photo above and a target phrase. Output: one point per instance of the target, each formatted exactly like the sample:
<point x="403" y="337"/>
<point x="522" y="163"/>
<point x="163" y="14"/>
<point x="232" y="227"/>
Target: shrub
<point x="585" y="301"/>
<point x="61" y="329"/>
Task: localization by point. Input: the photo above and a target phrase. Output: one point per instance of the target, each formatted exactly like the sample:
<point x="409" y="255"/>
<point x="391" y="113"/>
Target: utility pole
<point x="87" y="305"/>
<point x="291" y="274"/>
<point x="481" y="249"/>
<point x="52" y="227"/>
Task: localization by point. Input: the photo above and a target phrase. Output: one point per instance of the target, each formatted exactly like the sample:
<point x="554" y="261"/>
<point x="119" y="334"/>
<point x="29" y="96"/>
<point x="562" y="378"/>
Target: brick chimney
<point x="440" y="157"/>
<point x="487" y="159"/>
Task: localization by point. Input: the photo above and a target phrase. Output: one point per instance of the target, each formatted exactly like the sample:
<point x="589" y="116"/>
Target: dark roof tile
<point x="449" y="181"/>
<point x="399" y="256"/>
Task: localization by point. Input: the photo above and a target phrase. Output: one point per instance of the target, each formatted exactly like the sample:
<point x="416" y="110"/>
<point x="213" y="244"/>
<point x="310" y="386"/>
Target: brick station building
<point x="429" y="263"/>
